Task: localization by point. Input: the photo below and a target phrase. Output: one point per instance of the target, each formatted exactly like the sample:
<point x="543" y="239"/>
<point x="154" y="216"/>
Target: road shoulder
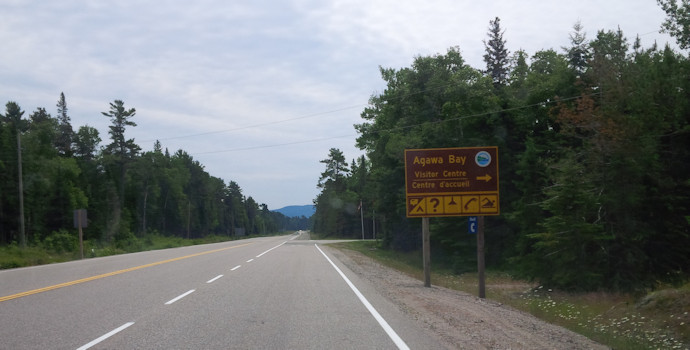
<point x="459" y="320"/>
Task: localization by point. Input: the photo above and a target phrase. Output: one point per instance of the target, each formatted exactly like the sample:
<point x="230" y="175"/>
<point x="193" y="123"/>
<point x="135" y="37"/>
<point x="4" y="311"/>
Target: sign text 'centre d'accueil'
<point x="452" y="181"/>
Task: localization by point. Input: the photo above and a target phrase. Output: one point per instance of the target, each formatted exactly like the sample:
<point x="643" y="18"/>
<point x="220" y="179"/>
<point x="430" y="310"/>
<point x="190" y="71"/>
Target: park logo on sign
<point x="483" y="159"/>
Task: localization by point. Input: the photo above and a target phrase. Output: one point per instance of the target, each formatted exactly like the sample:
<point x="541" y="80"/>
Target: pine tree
<point x="336" y="205"/>
<point x="121" y="149"/>
<point x="496" y="56"/>
<point x="336" y="168"/>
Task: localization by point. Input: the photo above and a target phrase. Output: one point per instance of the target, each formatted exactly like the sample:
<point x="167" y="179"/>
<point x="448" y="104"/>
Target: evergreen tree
<point x="496" y="57"/>
<point x="40" y="116"/>
<point x="518" y="75"/>
<point x="336" y="168"/>
<point x="66" y="133"/>
<point x="91" y="180"/>
<point x="121" y="149"/>
<point x="336" y="205"/>
<point x="86" y="142"/>
<point x="120" y="152"/>
<point x="578" y="52"/>
<point x="11" y="198"/>
<point x="237" y="213"/>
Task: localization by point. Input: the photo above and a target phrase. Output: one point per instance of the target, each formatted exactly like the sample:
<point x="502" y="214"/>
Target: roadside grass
<point x="317" y="236"/>
<point x="657" y="320"/>
<point x="49" y="252"/>
<point x="13" y="256"/>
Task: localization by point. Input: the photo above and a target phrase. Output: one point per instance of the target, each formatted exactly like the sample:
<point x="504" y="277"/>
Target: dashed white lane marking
<point x="106" y="336"/>
<point x="258" y="256"/>
<point x="180" y="297"/>
<point x="391" y="333"/>
<point x="128" y="324"/>
<point x="214" y="279"/>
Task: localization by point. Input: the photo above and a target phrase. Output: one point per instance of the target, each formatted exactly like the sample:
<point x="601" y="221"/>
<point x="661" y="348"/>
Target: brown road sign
<point x="452" y="181"/>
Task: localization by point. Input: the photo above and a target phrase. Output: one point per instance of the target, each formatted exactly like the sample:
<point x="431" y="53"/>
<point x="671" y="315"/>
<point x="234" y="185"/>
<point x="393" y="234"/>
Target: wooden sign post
<point x="426" y="251"/>
<point x="480" y="257"/>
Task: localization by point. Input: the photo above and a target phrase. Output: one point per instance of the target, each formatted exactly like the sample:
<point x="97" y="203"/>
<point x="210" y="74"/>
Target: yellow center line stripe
<point x="87" y="279"/>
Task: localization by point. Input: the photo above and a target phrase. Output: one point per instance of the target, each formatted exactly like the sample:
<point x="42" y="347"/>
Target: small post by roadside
<point x="426" y="252"/>
<point x="80" y="222"/>
<point x="480" y="256"/>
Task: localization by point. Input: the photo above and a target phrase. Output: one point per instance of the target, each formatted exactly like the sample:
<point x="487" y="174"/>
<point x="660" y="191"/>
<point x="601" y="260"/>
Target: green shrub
<point x="61" y="242"/>
<point x="127" y="241"/>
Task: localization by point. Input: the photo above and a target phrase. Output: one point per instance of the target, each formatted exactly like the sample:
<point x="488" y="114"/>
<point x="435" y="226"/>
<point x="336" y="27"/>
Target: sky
<point x="259" y="91"/>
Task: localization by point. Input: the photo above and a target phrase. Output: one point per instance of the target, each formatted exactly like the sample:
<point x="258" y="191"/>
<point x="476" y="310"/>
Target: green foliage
<point x="338" y="206"/>
<point x="11" y="127"/>
<point x="63" y="246"/>
<point x="438" y="102"/>
<point x="573" y="232"/>
<point x="677" y="21"/>
<point x="578" y="52"/>
<point x="120" y="117"/>
<point x="594" y="147"/>
<point x="14" y="256"/>
<point x="86" y="142"/>
<point x="594" y="158"/>
<point x="61" y="241"/>
<point x="128" y="242"/>
<point x="65" y="135"/>
<point x="127" y="194"/>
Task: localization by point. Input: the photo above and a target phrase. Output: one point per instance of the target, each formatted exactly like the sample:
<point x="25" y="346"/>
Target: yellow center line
<point x="87" y="279"/>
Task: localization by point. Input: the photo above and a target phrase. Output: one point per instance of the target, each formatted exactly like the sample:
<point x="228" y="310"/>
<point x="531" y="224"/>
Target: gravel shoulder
<point x="460" y="320"/>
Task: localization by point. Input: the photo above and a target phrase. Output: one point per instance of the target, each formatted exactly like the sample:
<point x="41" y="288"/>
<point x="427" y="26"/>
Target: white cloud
<point x="264" y="72"/>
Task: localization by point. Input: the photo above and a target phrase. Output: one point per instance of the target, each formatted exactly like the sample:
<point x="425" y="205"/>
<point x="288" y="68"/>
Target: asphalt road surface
<point x="263" y="293"/>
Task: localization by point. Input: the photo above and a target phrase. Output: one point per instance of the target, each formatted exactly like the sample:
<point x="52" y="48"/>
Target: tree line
<point x="47" y="170"/>
<point x="594" y="149"/>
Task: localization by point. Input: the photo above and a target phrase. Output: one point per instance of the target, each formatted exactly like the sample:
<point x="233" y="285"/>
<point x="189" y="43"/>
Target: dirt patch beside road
<point x="460" y="320"/>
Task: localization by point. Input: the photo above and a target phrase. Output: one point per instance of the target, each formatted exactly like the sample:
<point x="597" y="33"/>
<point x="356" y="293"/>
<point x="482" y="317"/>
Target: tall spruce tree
<point x="496" y="57"/>
<point x="65" y="135"/>
<point x="578" y="52"/>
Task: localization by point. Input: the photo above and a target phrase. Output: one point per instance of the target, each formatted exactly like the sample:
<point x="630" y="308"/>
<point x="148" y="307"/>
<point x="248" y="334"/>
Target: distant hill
<point x="297" y="210"/>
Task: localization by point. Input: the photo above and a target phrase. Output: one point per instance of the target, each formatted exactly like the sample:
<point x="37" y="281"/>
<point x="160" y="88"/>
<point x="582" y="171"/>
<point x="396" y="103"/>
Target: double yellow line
<point x="118" y="272"/>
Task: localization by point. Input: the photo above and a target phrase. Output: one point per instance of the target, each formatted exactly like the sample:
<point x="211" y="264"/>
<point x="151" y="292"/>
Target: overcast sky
<point x="258" y="91"/>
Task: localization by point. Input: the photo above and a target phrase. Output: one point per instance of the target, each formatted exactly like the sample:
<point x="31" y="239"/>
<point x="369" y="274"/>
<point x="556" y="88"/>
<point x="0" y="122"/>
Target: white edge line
<point x="214" y="279"/>
<point x="235" y="268"/>
<point x="386" y="327"/>
<point x="106" y="336"/>
<point x="180" y="297"/>
<point x="258" y="256"/>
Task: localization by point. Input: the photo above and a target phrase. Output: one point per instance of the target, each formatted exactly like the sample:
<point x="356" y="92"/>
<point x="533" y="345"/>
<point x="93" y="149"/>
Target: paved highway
<point x="262" y="293"/>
